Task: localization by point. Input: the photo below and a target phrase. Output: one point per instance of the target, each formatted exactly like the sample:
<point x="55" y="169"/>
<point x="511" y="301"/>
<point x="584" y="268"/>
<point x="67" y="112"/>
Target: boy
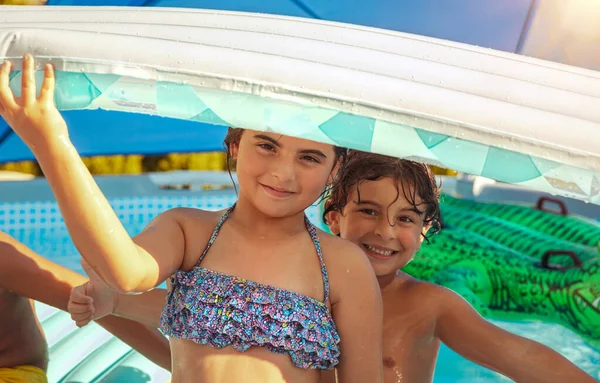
<point x="25" y="275"/>
<point x="387" y="206"/>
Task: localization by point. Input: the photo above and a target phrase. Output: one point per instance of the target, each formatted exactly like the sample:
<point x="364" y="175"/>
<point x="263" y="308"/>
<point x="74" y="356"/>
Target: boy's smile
<point x="379" y="219"/>
<point x="379" y="252"/>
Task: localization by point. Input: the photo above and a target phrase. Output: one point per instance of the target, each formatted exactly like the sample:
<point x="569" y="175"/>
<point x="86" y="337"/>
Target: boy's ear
<point x="333" y="221"/>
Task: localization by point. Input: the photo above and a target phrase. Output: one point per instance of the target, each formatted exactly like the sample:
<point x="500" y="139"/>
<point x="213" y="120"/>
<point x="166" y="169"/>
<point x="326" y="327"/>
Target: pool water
<point x="39" y="225"/>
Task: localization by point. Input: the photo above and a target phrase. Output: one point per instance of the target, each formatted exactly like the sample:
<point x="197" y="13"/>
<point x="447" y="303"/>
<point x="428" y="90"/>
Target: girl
<point x="258" y="294"/>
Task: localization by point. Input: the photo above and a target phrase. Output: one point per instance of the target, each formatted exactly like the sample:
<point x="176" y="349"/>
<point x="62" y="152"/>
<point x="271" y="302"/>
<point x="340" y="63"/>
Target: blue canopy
<point x="489" y="23"/>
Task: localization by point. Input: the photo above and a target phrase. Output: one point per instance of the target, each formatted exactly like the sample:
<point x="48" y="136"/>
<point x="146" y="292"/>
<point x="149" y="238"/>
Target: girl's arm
<point x="125" y="265"/>
<point x="28" y="274"/>
<point x="144" y="308"/>
<point x="358" y="314"/>
<point x="523" y="360"/>
<point x="94" y="300"/>
<point x="328" y="376"/>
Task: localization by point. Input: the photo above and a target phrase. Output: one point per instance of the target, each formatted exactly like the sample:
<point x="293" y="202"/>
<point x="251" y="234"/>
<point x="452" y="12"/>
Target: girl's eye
<point x="267" y="147"/>
<point x="311" y="159"/>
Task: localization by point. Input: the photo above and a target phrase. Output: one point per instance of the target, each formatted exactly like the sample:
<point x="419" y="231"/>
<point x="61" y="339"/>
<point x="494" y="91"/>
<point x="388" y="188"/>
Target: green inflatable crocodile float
<point x="561" y="226"/>
<point x="503" y="284"/>
<point x="515" y="236"/>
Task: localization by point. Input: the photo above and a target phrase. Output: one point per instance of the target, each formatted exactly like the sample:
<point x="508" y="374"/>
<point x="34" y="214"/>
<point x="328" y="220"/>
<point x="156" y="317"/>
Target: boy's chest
<point x="409" y="346"/>
<point x="408" y="329"/>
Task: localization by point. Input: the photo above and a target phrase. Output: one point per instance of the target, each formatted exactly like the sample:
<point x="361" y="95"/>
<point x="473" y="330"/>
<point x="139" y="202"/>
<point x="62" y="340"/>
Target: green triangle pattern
<point x="74" y="91"/>
<point x="350" y="130"/>
<point x="210" y="117"/>
<point x="430" y="139"/>
<point x="507" y="166"/>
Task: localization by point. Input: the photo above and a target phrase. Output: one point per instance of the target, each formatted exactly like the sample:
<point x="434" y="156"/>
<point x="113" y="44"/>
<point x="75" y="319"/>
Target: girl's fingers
<point x="82" y="323"/>
<point x="47" y="91"/>
<point x="28" y="81"/>
<point x="7" y="98"/>
<point x="79" y="309"/>
<point x="78" y="296"/>
<point x="82" y="316"/>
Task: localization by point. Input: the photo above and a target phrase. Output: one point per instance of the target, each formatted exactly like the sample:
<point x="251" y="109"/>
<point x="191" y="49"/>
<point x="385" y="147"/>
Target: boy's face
<point x="383" y="223"/>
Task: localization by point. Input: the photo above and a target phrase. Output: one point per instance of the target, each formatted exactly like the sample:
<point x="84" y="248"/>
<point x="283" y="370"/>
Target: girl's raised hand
<point x="35" y="119"/>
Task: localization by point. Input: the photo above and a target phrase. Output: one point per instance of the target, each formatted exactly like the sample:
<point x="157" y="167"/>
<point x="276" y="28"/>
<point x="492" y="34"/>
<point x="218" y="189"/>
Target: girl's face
<point x="383" y="223"/>
<point x="281" y="176"/>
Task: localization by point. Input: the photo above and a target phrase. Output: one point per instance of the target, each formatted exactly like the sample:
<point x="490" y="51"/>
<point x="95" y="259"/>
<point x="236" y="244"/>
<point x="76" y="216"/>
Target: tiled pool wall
<point x="39" y="224"/>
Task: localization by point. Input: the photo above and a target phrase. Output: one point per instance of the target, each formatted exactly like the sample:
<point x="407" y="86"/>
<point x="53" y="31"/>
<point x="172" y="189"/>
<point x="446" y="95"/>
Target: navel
<point x="389" y="362"/>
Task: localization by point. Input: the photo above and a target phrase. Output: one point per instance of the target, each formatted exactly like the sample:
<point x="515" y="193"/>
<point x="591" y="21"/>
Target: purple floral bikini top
<point x="220" y="310"/>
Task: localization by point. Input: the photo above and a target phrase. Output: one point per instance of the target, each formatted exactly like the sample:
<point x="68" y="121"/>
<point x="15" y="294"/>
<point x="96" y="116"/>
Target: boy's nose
<point x="385" y="229"/>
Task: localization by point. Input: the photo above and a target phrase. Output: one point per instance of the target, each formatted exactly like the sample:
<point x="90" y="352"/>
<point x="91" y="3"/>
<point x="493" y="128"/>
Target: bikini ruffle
<point x="221" y="310"/>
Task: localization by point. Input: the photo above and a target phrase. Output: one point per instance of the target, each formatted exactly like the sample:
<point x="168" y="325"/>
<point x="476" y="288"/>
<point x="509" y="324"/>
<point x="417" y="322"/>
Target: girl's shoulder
<point x="197" y="226"/>
<point x="332" y="244"/>
<point x="343" y="259"/>
<point x="197" y="218"/>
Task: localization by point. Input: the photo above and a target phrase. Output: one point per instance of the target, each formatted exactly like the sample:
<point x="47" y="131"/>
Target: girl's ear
<point x="334" y="171"/>
<point x="234" y="149"/>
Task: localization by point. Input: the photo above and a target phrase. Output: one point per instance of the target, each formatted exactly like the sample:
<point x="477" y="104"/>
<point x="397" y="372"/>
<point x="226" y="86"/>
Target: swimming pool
<point x="28" y="213"/>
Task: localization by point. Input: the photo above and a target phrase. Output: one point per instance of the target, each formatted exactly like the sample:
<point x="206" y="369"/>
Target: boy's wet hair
<point x="412" y="178"/>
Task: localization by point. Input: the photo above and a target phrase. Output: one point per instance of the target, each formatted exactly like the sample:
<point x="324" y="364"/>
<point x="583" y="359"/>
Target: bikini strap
<point x="312" y="231"/>
<point x="214" y="234"/>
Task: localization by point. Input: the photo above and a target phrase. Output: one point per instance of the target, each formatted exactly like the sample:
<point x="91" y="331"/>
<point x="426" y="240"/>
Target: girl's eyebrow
<point x="314" y="151"/>
<point x="277" y="144"/>
<point x="267" y="138"/>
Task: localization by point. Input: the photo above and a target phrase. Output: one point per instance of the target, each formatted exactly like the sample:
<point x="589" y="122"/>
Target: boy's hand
<point x="35" y="120"/>
<point x="92" y="300"/>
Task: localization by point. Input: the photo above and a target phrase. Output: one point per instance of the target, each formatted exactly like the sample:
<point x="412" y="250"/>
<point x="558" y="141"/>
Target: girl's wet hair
<point x="414" y="179"/>
<point x="234" y="135"/>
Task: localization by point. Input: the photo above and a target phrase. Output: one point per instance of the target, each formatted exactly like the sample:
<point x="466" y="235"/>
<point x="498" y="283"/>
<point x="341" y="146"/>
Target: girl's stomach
<point x="198" y="363"/>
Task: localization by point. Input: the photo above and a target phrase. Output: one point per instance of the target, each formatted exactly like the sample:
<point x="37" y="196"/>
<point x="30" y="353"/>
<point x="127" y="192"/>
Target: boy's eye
<point x="405" y="219"/>
<point x="368" y="211"/>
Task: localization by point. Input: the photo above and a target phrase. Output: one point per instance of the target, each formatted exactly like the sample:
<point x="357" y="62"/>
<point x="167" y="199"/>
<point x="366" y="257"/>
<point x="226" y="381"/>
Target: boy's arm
<point x="28" y="274"/>
<point x="462" y="329"/>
